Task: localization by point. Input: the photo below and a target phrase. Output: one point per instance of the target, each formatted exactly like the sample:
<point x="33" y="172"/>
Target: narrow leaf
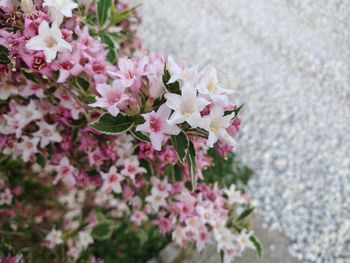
<point x="245" y="213"/>
<point x="235" y="111"/>
<point x="4" y="55"/>
<point x="103" y="7"/>
<point x="113" y="125"/>
<point x="192" y="165"/>
<point x="181" y="144"/>
<point x="257" y="245"/>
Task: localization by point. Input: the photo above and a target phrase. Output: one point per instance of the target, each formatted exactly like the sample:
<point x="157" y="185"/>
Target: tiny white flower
<point x="84" y="239"/>
<point x="49" y="40"/>
<point x="234" y="196"/>
<point x="157" y="200"/>
<point x="47" y="133"/>
<point x="216" y="124"/>
<point x="187" y="106"/>
<point x="244" y="240"/>
<point x="209" y="86"/>
<point x="59" y="9"/>
<point x="54" y="237"/>
<point x="6" y="197"/>
<point x="183" y="74"/>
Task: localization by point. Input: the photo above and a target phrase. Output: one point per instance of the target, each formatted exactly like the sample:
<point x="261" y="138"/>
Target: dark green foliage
<point x="227" y="171"/>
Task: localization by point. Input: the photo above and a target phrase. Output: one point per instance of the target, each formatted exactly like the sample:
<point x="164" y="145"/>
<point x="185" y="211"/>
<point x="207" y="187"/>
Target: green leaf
<point x="245" y="213"/>
<point x="102" y="231"/>
<point x="103" y="7"/>
<point x="148" y="166"/>
<point x="181" y="144"/>
<point x="117" y="36"/>
<point x="109" y="124"/>
<point x="29" y="76"/>
<point x="117" y="17"/>
<point x="81" y="83"/>
<point x="112" y="55"/>
<point x="235" y="111"/>
<point x="192" y="165"/>
<point x="4" y="55"/>
<point x="257" y="245"/>
<point x="172" y="87"/>
<point x="90" y="99"/>
<point x="139" y="136"/>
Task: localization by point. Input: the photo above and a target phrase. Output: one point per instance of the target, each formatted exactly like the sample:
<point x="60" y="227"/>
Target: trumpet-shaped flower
<point x="187" y="106"/>
<point x="111" y="180"/>
<point x="157" y="126"/>
<point x="112" y="97"/>
<point x="216" y="124"/>
<point x="59" y="9"/>
<point x="209" y="86"/>
<point x="49" y="40"/>
<point x="186" y="75"/>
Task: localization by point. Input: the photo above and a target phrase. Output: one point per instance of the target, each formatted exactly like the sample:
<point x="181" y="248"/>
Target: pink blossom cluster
<point x="58" y="86"/>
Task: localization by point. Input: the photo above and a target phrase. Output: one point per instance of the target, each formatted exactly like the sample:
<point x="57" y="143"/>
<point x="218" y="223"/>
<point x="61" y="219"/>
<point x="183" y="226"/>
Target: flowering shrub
<point x="106" y="158"/>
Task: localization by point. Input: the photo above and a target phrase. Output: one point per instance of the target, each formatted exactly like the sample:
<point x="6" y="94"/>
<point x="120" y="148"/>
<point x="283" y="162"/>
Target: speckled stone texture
<point x="288" y="60"/>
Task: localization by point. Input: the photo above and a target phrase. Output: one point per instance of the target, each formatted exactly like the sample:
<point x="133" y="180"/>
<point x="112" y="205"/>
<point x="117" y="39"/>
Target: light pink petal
<point x="156" y="140"/>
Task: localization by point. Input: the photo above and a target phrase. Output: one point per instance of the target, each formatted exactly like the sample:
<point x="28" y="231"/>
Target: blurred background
<point x="288" y="61"/>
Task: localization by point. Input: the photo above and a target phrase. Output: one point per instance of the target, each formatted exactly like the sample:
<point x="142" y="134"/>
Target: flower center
<point x="155" y="124"/>
<point x="50" y="42"/>
<point x="210" y="86"/>
<point x="47" y="133"/>
<point x="187" y="108"/>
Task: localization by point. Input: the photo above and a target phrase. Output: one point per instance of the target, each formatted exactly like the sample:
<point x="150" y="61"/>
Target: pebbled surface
<point x="288" y="61"/>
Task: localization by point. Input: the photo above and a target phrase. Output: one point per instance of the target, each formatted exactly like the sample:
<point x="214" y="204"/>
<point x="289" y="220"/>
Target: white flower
<point x="49" y="40"/>
<point x="27" y="147"/>
<point x="187" y="106"/>
<point x="157" y="199"/>
<point x="234" y="196"/>
<point x="6" y="197"/>
<point x="54" y="237"/>
<point x="186" y="75"/>
<point x="47" y="133"/>
<point x="209" y="86"/>
<point x="216" y="124"/>
<point x="28" y="113"/>
<point x="59" y="9"/>
<point x="84" y="239"/>
<point x="244" y="240"/>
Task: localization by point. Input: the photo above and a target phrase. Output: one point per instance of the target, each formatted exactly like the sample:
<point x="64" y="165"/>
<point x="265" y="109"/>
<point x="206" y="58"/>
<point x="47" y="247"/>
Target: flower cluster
<point x="95" y="149"/>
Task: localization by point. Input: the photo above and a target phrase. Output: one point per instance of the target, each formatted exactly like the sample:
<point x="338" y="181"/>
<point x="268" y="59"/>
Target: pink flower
<point x="132" y="168"/>
<point x="68" y="63"/>
<point x="157" y="126"/>
<point x="113" y="97"/>
<point x="65" y="172"/>
<point x="138" y="217"/>
<point x="111" y="180"/>
<point x="33" y="89"/>
<point x="146" y="150"/>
